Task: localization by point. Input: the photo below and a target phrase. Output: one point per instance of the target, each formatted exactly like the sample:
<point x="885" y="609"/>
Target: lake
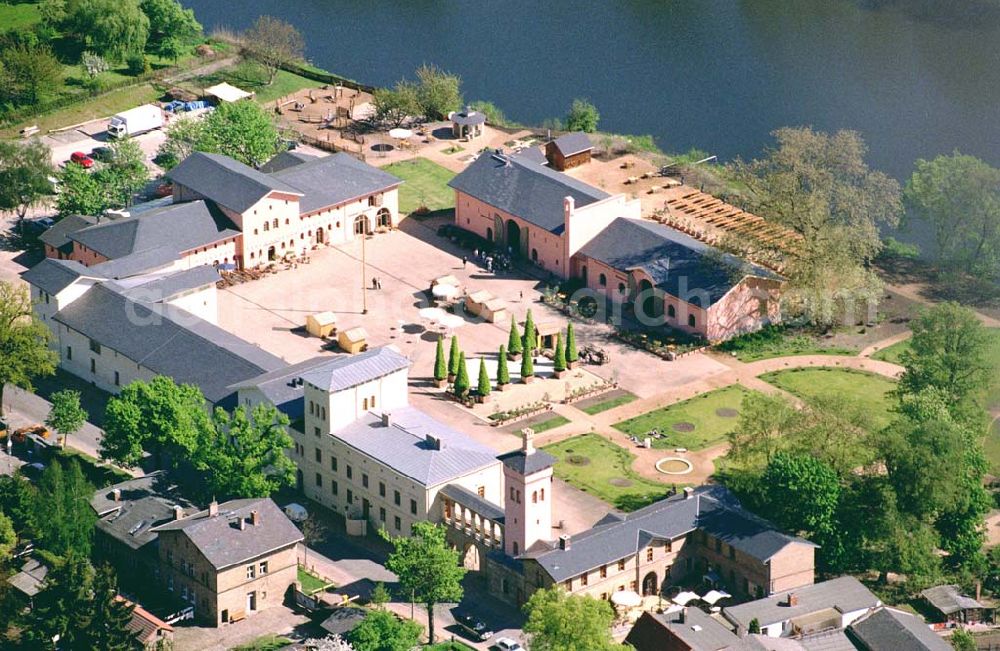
<point x="916" y="77"/>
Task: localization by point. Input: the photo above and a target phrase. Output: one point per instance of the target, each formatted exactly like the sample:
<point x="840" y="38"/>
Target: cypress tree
<point x="453" y="357"/>
<point x="530" y="338"/>
<point x="527" y="366"/>
<point x="503" y="375"/>
<point x="462" y="384"/>
<point x="440" y="368"/>
<point x="559" y="359"/>
<point x="110" y="617"/>
<point x="572" y="354"/>
<point x="483" y="387"/>
<point x="514" y="346"/>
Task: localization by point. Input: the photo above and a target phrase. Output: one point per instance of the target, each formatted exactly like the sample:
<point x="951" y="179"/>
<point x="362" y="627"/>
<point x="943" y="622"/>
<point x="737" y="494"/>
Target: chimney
<point x="682" y="615"/>
<point x="116" y="494"/>
<point x="213" y="509"/>
<point x="527" y="441"/>
<point x="255" y="518"/>
<point x="688" y="492"/>
<point x="386" y="419"/>
<point x="793" y="600"/>
<point x="243" y="523"/>
<point x="434" y="442"/>
<point x="178" y="512"/>
<point x="564" y="542"/>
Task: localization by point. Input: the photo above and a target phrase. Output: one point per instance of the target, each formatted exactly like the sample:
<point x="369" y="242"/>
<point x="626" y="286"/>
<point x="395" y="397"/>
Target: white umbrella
<point x="685" y="597"/>
<point x="432" y="313"/>
<point x="400" y="134"/>
<point x="452" y="321"/>
<point x="626" y="598"/>
<point x="444" y="291"/>
<point x="714" y="595"/>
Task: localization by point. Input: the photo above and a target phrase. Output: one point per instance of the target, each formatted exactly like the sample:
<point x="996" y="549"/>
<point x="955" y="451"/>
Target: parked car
<point x="81" y="159"/>
<point x="35" y="227"/>
<point x="473" y="626"/>
<point x="21" y="434"/>
<point x="195" y="105"/>
<point x="507" y="644"/>
<point x="103" y="154"/>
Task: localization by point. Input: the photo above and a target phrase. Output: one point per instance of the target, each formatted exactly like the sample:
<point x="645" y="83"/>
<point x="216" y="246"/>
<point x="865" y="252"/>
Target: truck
<point x="135" y="121"/>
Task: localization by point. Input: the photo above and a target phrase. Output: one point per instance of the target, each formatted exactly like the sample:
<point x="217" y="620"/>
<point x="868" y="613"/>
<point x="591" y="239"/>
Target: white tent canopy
<point x="626" y="598"/>
<point x="227" y="92"/>
<point x="685" y="597"/>
<point x="444" y="291"/>
<point x="715" y="595"/>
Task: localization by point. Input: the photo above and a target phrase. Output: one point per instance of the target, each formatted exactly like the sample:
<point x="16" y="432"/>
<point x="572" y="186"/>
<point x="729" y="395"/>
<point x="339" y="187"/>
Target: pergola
<point x="467" y="123"/>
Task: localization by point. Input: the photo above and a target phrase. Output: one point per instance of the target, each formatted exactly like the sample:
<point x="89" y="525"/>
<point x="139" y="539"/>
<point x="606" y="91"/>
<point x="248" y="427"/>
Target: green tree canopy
<point x="393" y="106"/>
<point x="125" y="173"/>
<point x="114" y="29"/>
<point x="802" y="494"/>
<point x="183" y="139"/>
<point x="561" y="622"/>
<point x="81" y="193"/>
<point x="959" y="197"/>
<point x="382" y="630"/>
<point x="503" y="373"/>
<point x="514" y="345"/>
<point x="8" y="538"/>
<point x="440" y="366"/>
<point x="24" y="175"/>
<point x="273" y="43"/>
<point x="66" y="416"/>
<point x="28" y="73"/>
<point x="438" y="92"/>
<point x="582" y="116"/>
<point x="462" y="382"/>
<point x="572" y="354"/>
<point x="63" y="518"/>
<point x="559" y="358"/>
<point x="158" y="416"/>
<point x="240" y="130"/>
<point x="245" y="453"/>
<point x="483" y="381"/>
<point x="109" y="616"/>
<point x="428" y="568"/>
<point x="454" y="354"/>
<point x="62" y="607"/>
<point x="527" y="365"/>
<point x="168" y="21"/>
<point x="962" y="640"/>
<point x="24" y="340"/>
<point x="530" y="336"/>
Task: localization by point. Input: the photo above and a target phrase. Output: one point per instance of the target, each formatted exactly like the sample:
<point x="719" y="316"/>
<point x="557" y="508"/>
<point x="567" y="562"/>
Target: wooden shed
<point x="322" y="324"/>
<point x="353" y="340"/>
<point x="568" y="151"/>
<point x="485" y="305"/>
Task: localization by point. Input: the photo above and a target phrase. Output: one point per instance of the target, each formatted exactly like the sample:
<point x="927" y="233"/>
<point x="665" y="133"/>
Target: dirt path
<point x="201" y="71"/>
<point x="915" y="292"/>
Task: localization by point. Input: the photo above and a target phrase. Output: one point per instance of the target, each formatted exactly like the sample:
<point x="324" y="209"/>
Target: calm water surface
<point x="714" y="74"/>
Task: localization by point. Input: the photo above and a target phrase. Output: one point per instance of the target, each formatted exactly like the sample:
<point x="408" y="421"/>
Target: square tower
<point x="527" y="477"/>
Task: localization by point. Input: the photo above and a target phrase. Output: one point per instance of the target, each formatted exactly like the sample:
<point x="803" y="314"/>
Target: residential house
<point x="56" y="240"/>
<point x="568" y="151"/>
<point x="888" y="629"/>
<point x="680" y="628"/>
<point x="231" y="560"/>
<point x="149" y="630"/>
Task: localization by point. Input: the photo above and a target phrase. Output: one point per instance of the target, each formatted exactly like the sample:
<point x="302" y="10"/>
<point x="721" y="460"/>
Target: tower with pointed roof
<point x="527" y="474"/>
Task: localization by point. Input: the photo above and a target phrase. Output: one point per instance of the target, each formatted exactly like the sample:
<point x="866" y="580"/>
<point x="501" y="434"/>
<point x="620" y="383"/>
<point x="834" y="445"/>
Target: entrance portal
<point x="650" y="588"/>
<point x="514" y="237"/>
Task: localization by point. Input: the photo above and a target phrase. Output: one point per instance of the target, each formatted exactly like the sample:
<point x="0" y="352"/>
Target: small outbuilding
<point x="949" y="605"/>
<point x="225" y="92"/>
<point x="353" y="340"/>
<point x="485" y="305"/>
<point x="546" y="333"/>
<point x="467" y="124"/>
<point x="569" y="150"/>
<point x="322" y="324"/>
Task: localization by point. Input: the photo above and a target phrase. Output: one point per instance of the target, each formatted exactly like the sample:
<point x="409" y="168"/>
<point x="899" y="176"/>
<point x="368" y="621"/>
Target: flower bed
<point x="524" y="411"/>
<point x="579" y="393"/>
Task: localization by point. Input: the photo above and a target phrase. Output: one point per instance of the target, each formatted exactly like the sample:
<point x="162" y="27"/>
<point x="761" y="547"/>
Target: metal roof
<point x="405" y="447"/>
<point x="844" y="594"/>
<point x="227" y="182"/>
<point x="525" y="189"/>
<point x="52" y="276"/>
<point x="678" y="264"/>
<point x="224" y="543"/>
<point x="334" y="180"/>
<point x="164" y="287"/>
<point x="31" y="577"/>
<point x="167" y="340"/>
<point x="573" y="143"/>
<point x="346" y="371"/>
<point x="948" y="599"/>
<point x="887" y="629"/>
<point x="281" y="388"/>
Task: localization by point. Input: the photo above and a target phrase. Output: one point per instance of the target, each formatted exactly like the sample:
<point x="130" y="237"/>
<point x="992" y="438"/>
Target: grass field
<point x="252" y="77"/>
<point x="701" y="412"/>
<point x="549" y="423"/>
<point x="92" y="109"/>
<point x="599" y="467"/>
<point x="18" y="16"/>
<point x="610" y="403"/>
<point x="426" y="185"/>
<point x="265" y="643"/>
<point x="448" y="646"/>
<point x="310" y="582"/>
<point x="774" y="341"/>
<point x="867" y="389"/>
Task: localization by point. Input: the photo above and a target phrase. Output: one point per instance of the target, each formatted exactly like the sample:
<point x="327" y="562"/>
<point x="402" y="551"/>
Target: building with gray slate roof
<point x="230" y="560"/>
<point x="680" y="629"/>
<point x="888" y="629"/>
<point x="56" y="239"/>
<point x="569" y="150"/>
<point x="334" y="180"/>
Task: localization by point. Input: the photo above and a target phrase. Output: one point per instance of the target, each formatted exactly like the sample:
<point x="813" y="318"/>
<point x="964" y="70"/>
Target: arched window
<point x="602" y="280"/>
<point x="384" y="218"/>
<point x="543" y="495"/>
<point x="534" y="255"/>
<point x="365" y="404"/>
<point x="267" y="227"/>
<point x="671" y="311"/>
<point x="515" y="548"/>
<point x="621" y="288"/>
<point x="534" y="497"/>
<point x="275" y="222"/>
<point x="691" y="321"/>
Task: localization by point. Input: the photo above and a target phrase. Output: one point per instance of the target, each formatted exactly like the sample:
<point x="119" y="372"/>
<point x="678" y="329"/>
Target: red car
<point x="82" y="159"/>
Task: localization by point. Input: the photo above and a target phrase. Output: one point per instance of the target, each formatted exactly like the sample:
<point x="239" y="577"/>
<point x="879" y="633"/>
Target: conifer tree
<point x="527" y="366"/>
<point x="453" y="357"/>
<point x="503" y="374"/>
<point x="462" y="383"/>
<point x="109" y="615"/>
<point x="483" y="387"/>
<point x="514" y="346"/>
<point x="440" y="367"/>
<point x="572" y="354"/>
<point x="559" y="359"/>
<point x="530" y="338"/>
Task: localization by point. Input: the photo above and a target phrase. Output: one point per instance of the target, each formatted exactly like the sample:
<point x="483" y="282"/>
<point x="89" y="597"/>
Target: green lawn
<point x="599" y="467"/>
<point x="775" y="341"/>
<point x="92" y="109"/>
<point x="610" y="403"/>
<point x="426" y="184"/>
<point x="867" y="389"/>
<point x="310" y="582"/>
<point x="18" y="16"/>
<point x="701" y="412"/>
<point x="893" y="353"/>
<point x="251" y="77"/>
<point x="448" y="646"/>
<point x="549" y="423"/>
<point x="265" y="643"/>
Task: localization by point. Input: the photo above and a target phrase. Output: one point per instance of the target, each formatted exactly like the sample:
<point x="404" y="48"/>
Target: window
<point x="621" y="565"/>
<point x="718" y="546"/>
<point x="396" y="523"/>
<point x="534" y="497"/>
<point x="671" y="311"/>
<point x="381" y="513"/>
<point x="319" y="479"/>
<point x="732" y="552"/>
<point x="95" y="347"/>
<point x="381" y="489"/>
<point x="691" y="321"/>
<point x="319" y="456"/>
<point x="93" y="366"/>
<point x="668" y="546"/>
<point x="396" y="498"/>
<point x="312" y="406"/>
<point x="251" y="571"/>
<point x="481" y="491"/>
<point x="262" y="569"/>
<point x="69" y="352"/>
<point x="350" y="496"/>
<point x="267" y="227"/>
<point x="604" y="596"/>
<point x="541" y="497"/>
<point x="604" y="572"/>
<point x="584" y="579"/>
<point x="602" y="280"/>
<point x="413" y="507"/>
<point x="117" y="379"/>
<point x="569" y="585"/>
<point x="322" y="413"/>
<point x="621" y="288"/>
<point x="511" y="493"/>
<point x="333" y="463"/>
<point x="316" y="431"/>
<point x="373" y="402"/>
<point x="649" y="554"/>
<point x="334" y="487"/>
<point x="350" y="472"/>
<point x="364" y="480"/>
<point x="633" y="586"/>
<point x="365" y="402"/>
<point x="170" y="583"/>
